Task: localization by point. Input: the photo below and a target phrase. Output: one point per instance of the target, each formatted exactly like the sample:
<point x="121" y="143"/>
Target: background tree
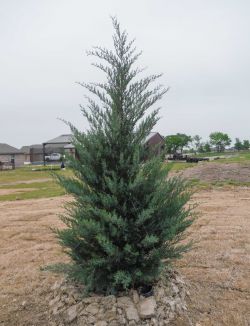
<point x="197" y="142"/>
<point x="177" y="142"/>
<point x="207" y="147"/>
<point x="238" y="144"/>
<point x="220" y="140"/>
<point x="127" y="218"/>
<point x="246" y="144"/>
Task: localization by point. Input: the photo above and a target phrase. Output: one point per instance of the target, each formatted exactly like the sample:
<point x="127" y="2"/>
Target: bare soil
<point x="217" y="270"/>
<point x="14" y="191"/>
<point x="211" y="171"/>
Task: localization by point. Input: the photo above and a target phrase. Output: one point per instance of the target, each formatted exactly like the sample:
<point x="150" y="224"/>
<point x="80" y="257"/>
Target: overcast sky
<point x="202" y="47"/>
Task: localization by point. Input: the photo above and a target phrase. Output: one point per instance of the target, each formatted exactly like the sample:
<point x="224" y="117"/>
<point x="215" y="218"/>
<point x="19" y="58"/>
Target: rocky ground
<point x="216" y="271"/>
<point x="68" y="307"/>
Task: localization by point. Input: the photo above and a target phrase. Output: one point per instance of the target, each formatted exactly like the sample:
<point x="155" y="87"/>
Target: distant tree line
<point x="218" y="141"/>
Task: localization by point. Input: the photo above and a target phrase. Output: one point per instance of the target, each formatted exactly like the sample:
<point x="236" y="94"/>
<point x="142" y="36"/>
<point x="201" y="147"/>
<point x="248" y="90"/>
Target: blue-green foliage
<point x="126" y="218"/>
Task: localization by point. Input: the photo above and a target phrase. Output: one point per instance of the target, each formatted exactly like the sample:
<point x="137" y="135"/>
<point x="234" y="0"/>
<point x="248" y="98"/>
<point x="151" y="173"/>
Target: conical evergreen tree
<point x="126" y="218"/>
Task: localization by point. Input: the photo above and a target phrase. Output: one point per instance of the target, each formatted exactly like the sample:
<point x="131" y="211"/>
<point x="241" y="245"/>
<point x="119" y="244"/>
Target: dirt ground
<point x="14" y="191"/>
<point x="217" y="270"/>
<point x="218" y="172"/>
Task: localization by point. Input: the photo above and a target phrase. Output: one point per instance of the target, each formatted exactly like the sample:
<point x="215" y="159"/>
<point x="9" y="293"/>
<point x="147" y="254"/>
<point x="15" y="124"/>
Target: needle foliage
<point x="127" y="218"/>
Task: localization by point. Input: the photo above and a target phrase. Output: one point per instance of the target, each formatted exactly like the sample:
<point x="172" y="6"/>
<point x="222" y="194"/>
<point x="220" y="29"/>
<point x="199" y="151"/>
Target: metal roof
<point x="7" y="149"/>
<point x="62" y="139"/>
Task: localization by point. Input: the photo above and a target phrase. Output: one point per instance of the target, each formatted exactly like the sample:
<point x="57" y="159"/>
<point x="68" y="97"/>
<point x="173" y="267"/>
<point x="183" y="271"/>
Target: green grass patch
<point x="29" y="184"/>
<point x="29" y="173"/>
<point x="236" y="157"/>
<point x="33" y="191"/>
<point x="179" y="166"/>
<point x="241" y="158"/>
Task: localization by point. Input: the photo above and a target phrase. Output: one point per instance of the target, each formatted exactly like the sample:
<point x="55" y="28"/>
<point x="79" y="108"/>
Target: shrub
<point x="126" y="220"/>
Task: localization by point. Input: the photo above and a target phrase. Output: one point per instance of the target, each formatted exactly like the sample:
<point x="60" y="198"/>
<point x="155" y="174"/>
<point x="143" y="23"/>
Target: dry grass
<point x="217" y="270"/>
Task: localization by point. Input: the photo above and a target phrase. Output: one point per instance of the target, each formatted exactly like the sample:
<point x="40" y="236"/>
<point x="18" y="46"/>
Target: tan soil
<point x="14" y="191"/>
<point x="211" y="171"/>
<point x="217" y="270"/>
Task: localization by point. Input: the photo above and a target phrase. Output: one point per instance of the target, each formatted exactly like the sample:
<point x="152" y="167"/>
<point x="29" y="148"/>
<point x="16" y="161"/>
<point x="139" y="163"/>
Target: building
<point x="61" y="144"/>
<point x="33" y="153"/>
<point x="11" y="155"/>
<point x="155" y="141"/>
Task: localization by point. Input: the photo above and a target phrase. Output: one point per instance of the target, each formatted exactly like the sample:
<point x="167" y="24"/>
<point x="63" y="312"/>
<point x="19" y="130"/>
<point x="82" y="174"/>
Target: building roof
<point x="25" y="149"/>
<point x="7" y="149"/>
<point x="36" y="146"/>
<point x="152" y="134"/>
<point x="62" y="139"/>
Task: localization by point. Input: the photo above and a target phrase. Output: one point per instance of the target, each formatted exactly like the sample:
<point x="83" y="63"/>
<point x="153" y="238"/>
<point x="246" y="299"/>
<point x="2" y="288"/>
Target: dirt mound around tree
<point x="68" y="306"/>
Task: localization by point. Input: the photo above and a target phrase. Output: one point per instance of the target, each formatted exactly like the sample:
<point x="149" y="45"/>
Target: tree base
<point x="68" y="306"/>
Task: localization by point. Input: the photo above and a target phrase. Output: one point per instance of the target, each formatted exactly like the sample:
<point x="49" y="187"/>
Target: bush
<point x="127" y="218"/>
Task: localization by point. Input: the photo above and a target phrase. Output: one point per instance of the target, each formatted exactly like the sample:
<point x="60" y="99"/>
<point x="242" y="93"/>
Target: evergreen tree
<point x="126" y="219"/>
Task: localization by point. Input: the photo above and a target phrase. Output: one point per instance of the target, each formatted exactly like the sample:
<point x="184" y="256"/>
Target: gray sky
<point x="202" y="47"/>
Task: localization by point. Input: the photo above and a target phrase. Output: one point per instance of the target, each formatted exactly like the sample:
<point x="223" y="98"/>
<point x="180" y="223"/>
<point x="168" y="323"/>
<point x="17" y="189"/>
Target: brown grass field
<point x="217" y="270"/>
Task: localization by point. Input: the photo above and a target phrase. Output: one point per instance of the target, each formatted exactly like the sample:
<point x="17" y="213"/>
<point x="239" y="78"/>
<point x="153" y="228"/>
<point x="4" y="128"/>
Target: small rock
<point x="71" y="314"/>
<point x="119" y="310"/>
<point x="135" y="296"/>
<point x="160" y="294"/>
<point x="113" y="323"/>
<point x="91" y="320"/>
<point x="122" y="320"/>
<point x="154" y="322"/>
<point x="76" y="296"/>
<point x="109" y="300"/>
<point x="57" y="308"/>
<point x="54" y="301"/>
<point x="93" y="299"/>
<point x="160" y="311"/>
<point x="70" y="301"/>
<point x="101" y="323"/>
<point x="132" y="323"/>
<point x="92" y="308"/>
<point x="57" y="285"/>
<point x="171" y="304"/>
<point x="124" y="301"/>
<point x="131" y="313"/>
<point x="110" y="315"/>
<point x="147" y="307"/>
<point x="101" y="311"/>
<point x="175" y="288"/>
